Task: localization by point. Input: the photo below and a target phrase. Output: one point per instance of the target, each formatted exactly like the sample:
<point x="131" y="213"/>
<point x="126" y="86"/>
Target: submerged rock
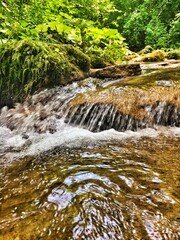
<point x="164" y="83"/>
<point x="129" y="104"/>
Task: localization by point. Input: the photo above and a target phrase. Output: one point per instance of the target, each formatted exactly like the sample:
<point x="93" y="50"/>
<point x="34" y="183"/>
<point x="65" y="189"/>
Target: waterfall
<point x="46" y="110"/>
<point x="98" y="117"/>
<point x="164" y="113"/>
<point x="43" y="112"/>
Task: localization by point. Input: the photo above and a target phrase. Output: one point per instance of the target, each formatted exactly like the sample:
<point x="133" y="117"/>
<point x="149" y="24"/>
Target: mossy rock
<point x="174" y="54"/>
<point x="117" y="71"/>
<point x="78" y="58"/>
<point x="100" y="59"/>
<point x="27" y="66"/>
<point x="155" y="56"/>
<point x="97" y="62"/>
<point x="147" y="49"/>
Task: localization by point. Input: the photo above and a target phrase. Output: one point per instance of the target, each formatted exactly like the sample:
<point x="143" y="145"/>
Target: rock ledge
<point x="117" y="71"/>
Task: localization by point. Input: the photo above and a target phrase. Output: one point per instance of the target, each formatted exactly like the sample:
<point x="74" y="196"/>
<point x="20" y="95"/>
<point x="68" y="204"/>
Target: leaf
<point x="3" y="30"/>
<point x="42" y="28"/>
<point x="2" y="16"/>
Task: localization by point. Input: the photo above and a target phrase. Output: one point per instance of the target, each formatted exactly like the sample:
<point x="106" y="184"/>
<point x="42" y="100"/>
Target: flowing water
<point x="127" y="190"/>
<point x="65" y="182"/>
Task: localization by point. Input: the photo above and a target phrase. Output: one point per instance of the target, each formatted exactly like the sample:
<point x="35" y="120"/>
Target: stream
<point x="62" y="182"/>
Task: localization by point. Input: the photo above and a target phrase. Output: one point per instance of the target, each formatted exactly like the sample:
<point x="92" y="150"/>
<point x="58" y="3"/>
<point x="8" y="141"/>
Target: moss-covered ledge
<point x="27" y="66"/>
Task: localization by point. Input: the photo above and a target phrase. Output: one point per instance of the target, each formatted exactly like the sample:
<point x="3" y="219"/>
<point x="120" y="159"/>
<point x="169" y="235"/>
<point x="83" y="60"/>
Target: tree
<point x="152" y="22"/>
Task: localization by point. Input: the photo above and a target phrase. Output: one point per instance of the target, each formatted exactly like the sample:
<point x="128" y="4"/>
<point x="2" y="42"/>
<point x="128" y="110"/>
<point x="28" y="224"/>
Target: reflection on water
<point x="115" y="191"/>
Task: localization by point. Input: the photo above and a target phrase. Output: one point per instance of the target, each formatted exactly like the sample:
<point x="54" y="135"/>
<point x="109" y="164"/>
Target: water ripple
<point x="101" y="193"/>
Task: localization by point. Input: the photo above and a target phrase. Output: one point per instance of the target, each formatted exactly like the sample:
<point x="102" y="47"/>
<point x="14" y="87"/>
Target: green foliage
<point x="93" y="26"/>
<point x="145" y="22"/>
<point x="26" y="66"/>
<point x="104" y="46"/>
<point x="174" y="33"/>
<point x="100" y="11"/>
<point x="134" y="29"/>
<point x="87" y="24"/>
<point x="156" y="34"/>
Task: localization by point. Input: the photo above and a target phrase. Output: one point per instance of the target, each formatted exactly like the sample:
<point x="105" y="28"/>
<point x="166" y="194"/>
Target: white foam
<point x="72" y="137"/>
<point x="10" y="140"/>
<point x="15" y="146"/>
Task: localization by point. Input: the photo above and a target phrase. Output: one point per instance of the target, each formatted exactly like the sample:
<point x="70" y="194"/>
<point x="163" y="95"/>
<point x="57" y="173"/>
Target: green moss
<point x="78" y="58"/>
<point x="147" y="49"/>
<point x="174" y="54"/>
<point x="155" y="56"/>
<point x="97" y="62"/>
<point x="27" y="66"/>
<point x="100" y="59"/>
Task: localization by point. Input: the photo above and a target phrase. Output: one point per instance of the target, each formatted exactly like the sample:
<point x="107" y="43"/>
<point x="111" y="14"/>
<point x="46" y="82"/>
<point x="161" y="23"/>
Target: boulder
<point x="147" y="49"/>
<point x="155" y="56"/>
<point x="173" y="54"/>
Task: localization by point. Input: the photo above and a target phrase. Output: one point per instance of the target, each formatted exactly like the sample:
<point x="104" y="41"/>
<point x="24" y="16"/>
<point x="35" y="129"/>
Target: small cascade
<point x="164" y="113"/>
<point x="48" y="110"/>
<point x="43" y="111"/>
<point x="98" y="117"/>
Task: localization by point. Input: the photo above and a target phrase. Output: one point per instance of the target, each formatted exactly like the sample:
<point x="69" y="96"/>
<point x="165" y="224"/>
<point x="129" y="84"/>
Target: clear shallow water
<point x="116" y="190"/>
<point x="69" y="183"/>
